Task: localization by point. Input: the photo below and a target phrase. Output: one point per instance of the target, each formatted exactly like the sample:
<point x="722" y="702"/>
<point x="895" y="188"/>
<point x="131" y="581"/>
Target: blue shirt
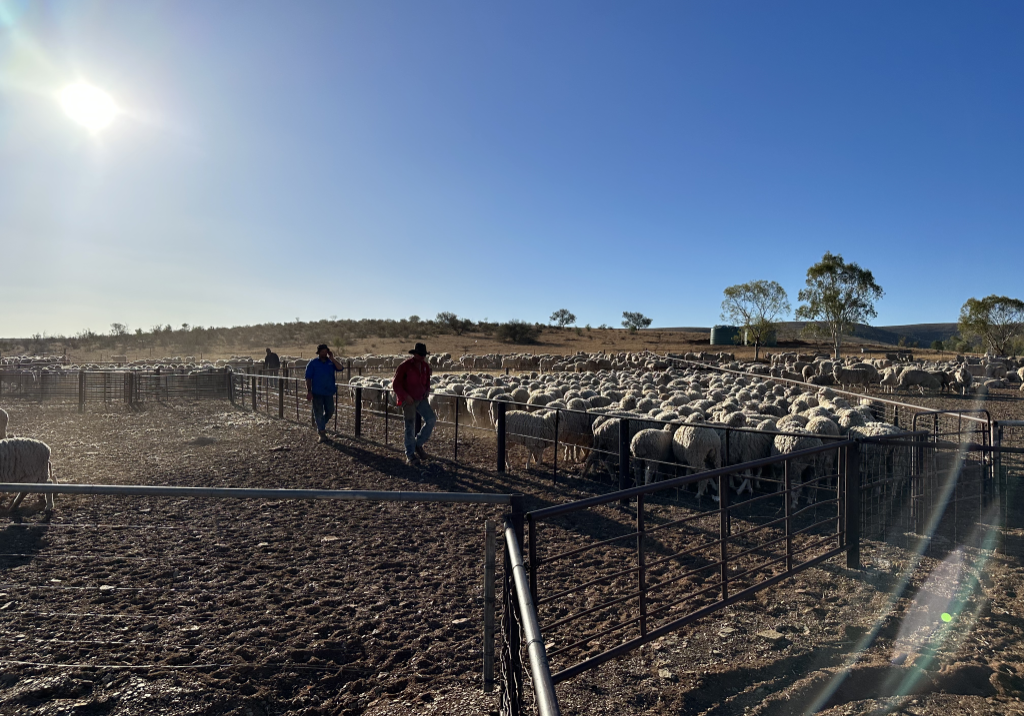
<point x="322" y="375"/>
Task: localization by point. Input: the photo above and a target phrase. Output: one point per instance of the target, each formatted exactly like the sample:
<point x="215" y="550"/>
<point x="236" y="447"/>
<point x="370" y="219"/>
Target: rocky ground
<point x="125" y="605"/>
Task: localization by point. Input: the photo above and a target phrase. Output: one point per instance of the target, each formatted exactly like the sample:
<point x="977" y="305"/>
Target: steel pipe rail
<point x="253" y="493"/>
<point x="543" y="688"/>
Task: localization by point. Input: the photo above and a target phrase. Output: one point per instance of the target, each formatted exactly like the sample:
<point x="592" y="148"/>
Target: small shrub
<point x="519" y="332"/>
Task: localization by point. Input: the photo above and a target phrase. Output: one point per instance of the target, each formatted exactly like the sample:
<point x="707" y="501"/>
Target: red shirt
<point x="412" y="380"/>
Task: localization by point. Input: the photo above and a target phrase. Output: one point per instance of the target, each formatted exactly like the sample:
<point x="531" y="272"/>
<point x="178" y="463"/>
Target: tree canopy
<point x="998" y="321"/>
<point x="456" y="325"/>
<point x="634" y="320"/>
<point x="838" y="296"/>
<point x="756" y="307"/>
<point x="563" y="317"/>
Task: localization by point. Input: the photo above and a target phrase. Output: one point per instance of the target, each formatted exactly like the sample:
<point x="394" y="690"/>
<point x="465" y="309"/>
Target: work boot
<point x="412" y="461"/>
<point x="421" y="453"/>
<point x="323" y="436"/>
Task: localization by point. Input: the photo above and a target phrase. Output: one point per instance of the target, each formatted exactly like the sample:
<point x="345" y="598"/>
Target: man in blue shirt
<point x="321" y="387"/>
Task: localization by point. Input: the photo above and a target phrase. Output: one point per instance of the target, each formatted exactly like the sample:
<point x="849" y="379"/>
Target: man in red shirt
<point x="412" y="386"/>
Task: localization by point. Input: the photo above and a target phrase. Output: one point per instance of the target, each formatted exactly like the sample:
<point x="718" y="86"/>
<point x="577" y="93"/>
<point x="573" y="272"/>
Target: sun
<point x="90" y="106"/>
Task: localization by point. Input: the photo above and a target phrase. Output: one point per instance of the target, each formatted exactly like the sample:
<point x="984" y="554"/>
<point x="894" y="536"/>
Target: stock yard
<point x="127" y="605"/>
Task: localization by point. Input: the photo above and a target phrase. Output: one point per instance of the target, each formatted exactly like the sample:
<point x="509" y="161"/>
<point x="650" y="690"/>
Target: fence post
<point x="81" y="391"/>
<point x="280" y="397"/>
<point x="253" y="386"/>
<point x="554" y="476"/>
<point x="458" y="409"/>
<point x="359" y="411"/>
<point x="853" y="506"/>
<point x="723" y="532"/>
<point x="996" y="459"/>
<point x="641" y="563"/>
<point x="787" y="497"/>
<point x="42" y="386"/>
<point x="501" y="437"/>
<point x="623" y="456"/>
<point x="489" y="606"/>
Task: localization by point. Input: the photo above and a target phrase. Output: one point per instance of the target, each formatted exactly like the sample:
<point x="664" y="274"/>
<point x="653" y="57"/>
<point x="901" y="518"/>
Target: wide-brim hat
<point x="420" y="349"/>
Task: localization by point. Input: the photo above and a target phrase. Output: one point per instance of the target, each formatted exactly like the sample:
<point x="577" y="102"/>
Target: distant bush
<point x="519" y="332"/>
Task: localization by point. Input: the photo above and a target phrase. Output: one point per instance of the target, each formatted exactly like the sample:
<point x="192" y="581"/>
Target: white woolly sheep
<point x="652" y="448"/>
<point x="890" y="380"/>
<point x="28" y="461"/>
<point x="699" y="447"/>
<point x="922" y="379"/>
<point x="534" y="431"/>
<point x="749" y="446"/>
<point x="964" y="378"/>
<point x="804" y="469"/>
<point x="848" y="377"/>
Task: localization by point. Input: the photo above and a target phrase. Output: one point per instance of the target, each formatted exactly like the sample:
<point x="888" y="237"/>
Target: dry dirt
<point x="133" y="605"/>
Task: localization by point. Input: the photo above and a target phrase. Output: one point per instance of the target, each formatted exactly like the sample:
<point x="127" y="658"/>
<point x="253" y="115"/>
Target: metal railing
<point x="519" y="622"/>
<point x="626" y="587"/>
<point x="130" y="387"/>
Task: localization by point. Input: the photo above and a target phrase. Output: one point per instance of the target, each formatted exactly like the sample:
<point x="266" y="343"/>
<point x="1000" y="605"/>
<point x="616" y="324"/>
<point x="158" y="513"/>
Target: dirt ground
<point x="135" y="605"/>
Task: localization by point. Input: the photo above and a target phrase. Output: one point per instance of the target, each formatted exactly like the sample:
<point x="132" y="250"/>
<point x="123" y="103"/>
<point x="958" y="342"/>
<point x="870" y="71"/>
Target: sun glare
<point x="89" y="106"/>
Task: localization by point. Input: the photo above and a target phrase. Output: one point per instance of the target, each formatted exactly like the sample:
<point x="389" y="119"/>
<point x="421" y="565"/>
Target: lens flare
<point x="89" y="106"/>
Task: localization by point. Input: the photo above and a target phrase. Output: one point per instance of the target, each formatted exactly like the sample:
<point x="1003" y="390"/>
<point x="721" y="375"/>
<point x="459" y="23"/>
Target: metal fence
<point x="129" y="387"/>
<point x="625" y="586"/>
<point x="519" y="687"/>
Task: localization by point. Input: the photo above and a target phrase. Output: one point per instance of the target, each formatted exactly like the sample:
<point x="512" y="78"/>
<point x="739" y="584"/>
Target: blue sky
<point x="280" y="160"/>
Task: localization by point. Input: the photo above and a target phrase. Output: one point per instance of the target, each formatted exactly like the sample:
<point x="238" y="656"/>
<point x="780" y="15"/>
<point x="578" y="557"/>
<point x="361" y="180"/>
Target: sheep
<point x="890" y="380"/>
<point x="920" y="378"/>
<point x="575" y="428"/>
<point x="699" y="447"/>
<point x="881" y="460"/>
<point x="803" y="469"/>
<point x="531" y="430"/>
<point x="851" y="376"/>
<point x="749" y="446"/>
<point x="26" y="460"/>
<point x="652" y="448"/>
<point x="964" y="378"/>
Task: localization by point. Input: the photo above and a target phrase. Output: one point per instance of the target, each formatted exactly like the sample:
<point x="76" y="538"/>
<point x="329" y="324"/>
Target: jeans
<point x="323" y="409"/>
<point x="412" y="440"/>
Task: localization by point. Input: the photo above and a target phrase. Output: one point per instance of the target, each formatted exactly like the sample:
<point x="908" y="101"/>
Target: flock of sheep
<point x="678" y="417"/>
<point x="964" y="374"/>
<point x="680" y="410"/>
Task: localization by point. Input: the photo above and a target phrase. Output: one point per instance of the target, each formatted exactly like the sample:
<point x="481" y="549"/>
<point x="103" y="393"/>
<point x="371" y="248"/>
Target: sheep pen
<point x="367" y="608"/>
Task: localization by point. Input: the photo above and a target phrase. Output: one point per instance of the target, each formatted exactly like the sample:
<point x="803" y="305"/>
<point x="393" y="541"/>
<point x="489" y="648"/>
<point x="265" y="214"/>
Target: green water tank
<point x="724" y="335"/>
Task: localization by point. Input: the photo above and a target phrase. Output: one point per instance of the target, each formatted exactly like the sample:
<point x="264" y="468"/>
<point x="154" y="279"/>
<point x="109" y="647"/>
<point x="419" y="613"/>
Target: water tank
<point x="724" y="335"/>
